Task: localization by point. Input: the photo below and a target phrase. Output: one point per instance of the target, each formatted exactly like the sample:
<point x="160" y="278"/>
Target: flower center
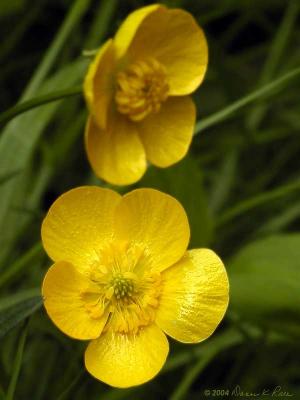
<point x="123" y="288"/>
<point x="142" y="88"/>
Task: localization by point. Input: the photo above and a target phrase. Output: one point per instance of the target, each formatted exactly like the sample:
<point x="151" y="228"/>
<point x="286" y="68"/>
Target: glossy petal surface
<point x="194" y="297"/>
<point x="99" y="83"/>
<point x="127" y="360"/>
<point x="157" y="222"/>
<point x="174" y="39"/>
<point x="78" y="223"/>
<point x="128" y="29"/>
<point x="167" y="135"/>
<point x="61" y="290"/>
<point x="116" y="154"/>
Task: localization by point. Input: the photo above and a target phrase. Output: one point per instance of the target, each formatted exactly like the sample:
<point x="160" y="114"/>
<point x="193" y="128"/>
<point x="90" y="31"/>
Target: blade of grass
<point x="183" y="387"/>
<point x="46" y="379"/>
<point x="17" y="144"/>
<point x="276" y="165"/>
<point x="19" y="297"/>
<point x="279" y="222"/>
<point x="266" y="90"/>
<point x="224" y="181"/>
<point x="17" y="364"/>
<point x="12" y="315"/>
<point x="22" y="134"/>
<point x="11" y="41"/>
<point x="275" y="54"/>
<point x="56" y="153"/>
<point x="218" y="12"/>
<point x="71" y="386"/>
<point x="101" y="22"/>
<point x="20" y="263"/>
<point x="20" y="108"/>
<point x="270" y="135"/>
<point x="75" y="14"/>
<point x="256" y="201"/>
<point x="229" y="337"/>
<point x="205" y="352"/>
<point x="7" y="177"/>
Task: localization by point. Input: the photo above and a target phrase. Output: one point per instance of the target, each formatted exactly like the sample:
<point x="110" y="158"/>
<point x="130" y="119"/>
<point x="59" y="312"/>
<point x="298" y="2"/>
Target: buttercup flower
<point x="137" y="92"/>
<point x="122" y="278"/>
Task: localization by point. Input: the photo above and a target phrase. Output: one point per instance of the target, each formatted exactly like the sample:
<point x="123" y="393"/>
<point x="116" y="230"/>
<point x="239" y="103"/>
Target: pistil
<point x="130" y="298"/>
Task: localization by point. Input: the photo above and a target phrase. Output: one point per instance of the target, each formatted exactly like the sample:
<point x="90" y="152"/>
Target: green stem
<point x="265" y="90"/>
<point x="20" y="108"/>
<point x="20" y="263"/>
<point x="191" y="375"/>
<point x="255" y="201"/>
<point x="17" y="364"/>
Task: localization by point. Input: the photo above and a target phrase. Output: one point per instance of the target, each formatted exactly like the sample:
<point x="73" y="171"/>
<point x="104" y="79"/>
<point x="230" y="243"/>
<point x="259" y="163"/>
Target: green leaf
<point x="17" y="144"/>
<point x="184" y="182"/>
<point x="265" y="282"/>
<point x="16" y="308"/>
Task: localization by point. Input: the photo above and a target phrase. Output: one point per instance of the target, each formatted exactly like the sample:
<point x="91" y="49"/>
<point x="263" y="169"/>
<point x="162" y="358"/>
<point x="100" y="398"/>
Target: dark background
<point x="240" y="186"/>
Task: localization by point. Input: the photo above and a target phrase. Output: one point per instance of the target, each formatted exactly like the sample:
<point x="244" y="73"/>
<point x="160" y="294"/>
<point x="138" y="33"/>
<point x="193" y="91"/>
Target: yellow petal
<point x="167" y="135"/>
<point x="63" y="301"/>
<point x="157" y="221"/>
<point x="78" y="223"/>
<point x="128" y="28"/>
<point x="194" y="297"/>
<point x="99" y="83"/>
<point x="124" y="360"/>
<point x="173" y="38"/>
<point x="116" y="154"/>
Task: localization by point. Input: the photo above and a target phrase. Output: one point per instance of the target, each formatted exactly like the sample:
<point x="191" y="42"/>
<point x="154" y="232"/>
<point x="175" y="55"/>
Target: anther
<point x="142" y="89"/>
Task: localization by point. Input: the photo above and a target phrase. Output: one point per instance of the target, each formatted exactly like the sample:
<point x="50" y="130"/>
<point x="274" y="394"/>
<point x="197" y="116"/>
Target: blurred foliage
<point x="240" y="186"/>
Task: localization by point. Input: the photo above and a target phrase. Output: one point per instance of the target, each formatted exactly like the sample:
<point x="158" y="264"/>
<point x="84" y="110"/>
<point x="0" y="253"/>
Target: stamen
<point x="142" y="88"/>
<point x="109" y="293"/>
<point x="122" y="285"/>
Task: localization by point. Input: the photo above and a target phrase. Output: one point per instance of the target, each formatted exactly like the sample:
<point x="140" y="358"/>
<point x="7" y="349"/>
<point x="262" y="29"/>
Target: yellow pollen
<point x="142" y="88"/>
<point x="122" y="288"/>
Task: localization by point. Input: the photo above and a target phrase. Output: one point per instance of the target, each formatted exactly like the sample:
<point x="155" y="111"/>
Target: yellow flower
<point x="122" y="278"/>
<point x="137" y="92"/>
